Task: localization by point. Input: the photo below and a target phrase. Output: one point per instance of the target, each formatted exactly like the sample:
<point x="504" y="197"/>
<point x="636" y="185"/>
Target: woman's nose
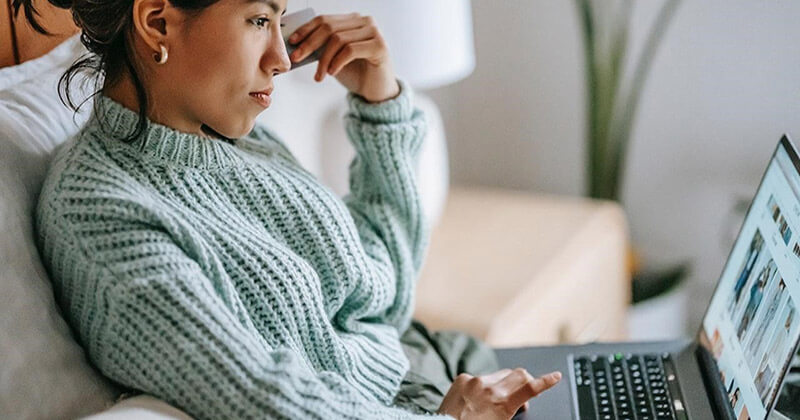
<point x="277" y="58"/>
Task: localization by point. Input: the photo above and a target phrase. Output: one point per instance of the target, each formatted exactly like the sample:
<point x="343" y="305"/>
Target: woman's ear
<point x="151" y="21"/>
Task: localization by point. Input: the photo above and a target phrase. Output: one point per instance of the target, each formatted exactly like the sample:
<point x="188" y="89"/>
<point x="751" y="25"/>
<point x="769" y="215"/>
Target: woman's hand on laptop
<point x="354" y="52"/>
<point x="495" y="396"/>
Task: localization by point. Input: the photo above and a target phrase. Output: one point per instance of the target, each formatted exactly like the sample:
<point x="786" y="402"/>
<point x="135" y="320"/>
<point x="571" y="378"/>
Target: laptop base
<point x="559" y="403"/>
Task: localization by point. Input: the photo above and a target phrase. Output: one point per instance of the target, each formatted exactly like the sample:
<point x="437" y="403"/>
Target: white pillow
<point x="141" y="407"/>
<point x="44" y="373"/>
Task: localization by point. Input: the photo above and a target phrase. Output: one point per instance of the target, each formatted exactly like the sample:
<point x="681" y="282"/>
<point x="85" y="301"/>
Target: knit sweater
<point x="225" y="278"/>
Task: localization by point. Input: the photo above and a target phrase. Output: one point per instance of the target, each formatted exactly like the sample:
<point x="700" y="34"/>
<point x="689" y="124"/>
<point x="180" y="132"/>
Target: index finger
<point x="533" y="387"/>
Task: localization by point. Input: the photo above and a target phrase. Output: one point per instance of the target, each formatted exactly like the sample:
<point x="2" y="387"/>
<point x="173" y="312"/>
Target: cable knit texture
<point x="226" y="279"/>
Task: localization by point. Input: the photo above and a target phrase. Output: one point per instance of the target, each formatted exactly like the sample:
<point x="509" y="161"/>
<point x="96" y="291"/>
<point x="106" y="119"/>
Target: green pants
<point x="436" y="359"/>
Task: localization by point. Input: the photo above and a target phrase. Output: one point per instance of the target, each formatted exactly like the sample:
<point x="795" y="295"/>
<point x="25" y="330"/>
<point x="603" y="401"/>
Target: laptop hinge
<point x="714" y="386"/>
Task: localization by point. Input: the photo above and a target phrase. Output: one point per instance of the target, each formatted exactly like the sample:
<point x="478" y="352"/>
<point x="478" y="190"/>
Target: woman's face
<point x="218" y="59"/>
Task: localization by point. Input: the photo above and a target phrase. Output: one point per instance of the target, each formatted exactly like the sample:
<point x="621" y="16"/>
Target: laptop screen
<point x="752" y="324"/>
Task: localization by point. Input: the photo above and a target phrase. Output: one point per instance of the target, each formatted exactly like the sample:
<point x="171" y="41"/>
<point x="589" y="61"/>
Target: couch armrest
<point x="518" y="269"/>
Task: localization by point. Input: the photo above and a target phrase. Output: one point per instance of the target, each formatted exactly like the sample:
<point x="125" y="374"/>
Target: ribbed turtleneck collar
<point x="159" y="143"/>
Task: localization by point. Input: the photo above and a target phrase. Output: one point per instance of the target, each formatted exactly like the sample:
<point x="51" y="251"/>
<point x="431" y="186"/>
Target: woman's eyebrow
<point x="274" y="6"/>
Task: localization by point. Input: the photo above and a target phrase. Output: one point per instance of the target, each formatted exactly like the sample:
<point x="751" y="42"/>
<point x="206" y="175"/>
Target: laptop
<point x="734" y="367"/>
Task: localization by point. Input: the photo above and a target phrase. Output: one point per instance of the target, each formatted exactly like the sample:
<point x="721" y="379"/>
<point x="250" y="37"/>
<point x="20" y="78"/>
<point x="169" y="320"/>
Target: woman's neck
<point x="124" y="92"/>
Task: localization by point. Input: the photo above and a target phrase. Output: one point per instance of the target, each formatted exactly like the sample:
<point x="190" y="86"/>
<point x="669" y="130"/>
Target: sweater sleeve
<point x="154" y="321"/>
<point x="384" y="199"/>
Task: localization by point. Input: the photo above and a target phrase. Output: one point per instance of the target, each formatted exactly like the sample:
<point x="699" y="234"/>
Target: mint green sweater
<point x="225" y="278"/>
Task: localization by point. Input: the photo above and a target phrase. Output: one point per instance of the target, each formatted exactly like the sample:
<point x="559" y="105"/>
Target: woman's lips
<point x="262" y="98"/>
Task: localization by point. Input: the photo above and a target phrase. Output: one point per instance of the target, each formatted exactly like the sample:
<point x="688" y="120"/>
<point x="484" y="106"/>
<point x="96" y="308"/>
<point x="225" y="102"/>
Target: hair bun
<point x="64" y="4"/>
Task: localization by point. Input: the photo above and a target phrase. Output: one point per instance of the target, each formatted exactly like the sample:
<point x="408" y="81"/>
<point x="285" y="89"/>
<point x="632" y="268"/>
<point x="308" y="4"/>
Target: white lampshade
<point x="430" y="41"/>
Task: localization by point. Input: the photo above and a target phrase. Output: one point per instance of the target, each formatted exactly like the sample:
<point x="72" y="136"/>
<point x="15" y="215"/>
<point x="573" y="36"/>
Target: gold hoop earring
<point x="163" y="58"/>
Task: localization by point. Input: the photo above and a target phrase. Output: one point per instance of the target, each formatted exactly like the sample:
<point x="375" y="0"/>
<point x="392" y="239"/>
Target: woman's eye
<point x="262" y="22"/>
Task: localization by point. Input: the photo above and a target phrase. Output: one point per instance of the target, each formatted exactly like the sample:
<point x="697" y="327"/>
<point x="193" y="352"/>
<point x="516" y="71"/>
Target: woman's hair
<point x="105" y="27"/>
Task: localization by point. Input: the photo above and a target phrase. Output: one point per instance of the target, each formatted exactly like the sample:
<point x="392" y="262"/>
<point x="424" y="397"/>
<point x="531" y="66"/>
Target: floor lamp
<point x="431" y="44"/>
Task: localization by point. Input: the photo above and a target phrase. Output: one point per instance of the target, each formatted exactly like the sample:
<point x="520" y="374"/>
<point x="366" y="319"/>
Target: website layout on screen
<point x="752" y="321"/>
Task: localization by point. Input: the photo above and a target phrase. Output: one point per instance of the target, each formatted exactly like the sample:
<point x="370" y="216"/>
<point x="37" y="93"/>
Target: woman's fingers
<point x="337" y="41"/>
<point x="497" y="395"/>
<point x="307" y="28"/>
<point x="352" y="51"/>
<point x="543" y="383"/>
<point x="495" y="377"/>
<point x="315" y="33"/>
<point x="518" y="387"/>
<point x="522" y="386"/>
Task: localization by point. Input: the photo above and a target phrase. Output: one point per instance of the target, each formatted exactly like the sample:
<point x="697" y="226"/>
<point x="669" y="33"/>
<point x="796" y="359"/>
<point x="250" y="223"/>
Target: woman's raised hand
<point x="355" y="53"/>
<point x="496" y="396"/>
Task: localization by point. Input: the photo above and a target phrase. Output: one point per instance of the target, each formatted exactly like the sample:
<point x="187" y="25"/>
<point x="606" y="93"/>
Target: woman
<point x="197" y="260"/>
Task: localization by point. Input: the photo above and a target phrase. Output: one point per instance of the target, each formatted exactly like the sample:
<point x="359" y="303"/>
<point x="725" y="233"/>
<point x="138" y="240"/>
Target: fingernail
<point x="556" y="375"/>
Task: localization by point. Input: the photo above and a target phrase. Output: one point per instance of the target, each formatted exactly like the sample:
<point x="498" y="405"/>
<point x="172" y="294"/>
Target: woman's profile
<point x="197" y="261"/>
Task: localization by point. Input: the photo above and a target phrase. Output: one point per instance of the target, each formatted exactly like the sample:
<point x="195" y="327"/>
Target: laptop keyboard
<point x="627" y="387"/>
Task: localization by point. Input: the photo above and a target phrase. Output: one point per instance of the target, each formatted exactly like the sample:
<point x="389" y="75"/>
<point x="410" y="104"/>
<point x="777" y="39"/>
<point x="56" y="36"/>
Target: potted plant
<point x="612" y="97"/>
